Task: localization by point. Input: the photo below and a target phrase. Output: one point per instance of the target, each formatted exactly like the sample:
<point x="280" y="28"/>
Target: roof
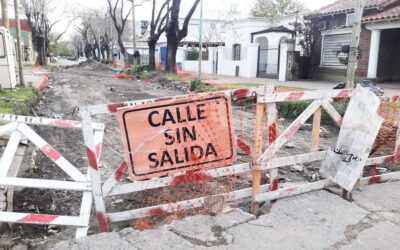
<point x="393" y="13"/>
<point x="343" y="6"/>
<point x="275" y="29"/>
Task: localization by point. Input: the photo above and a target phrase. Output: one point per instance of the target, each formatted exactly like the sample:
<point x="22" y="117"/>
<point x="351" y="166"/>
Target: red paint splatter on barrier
<point x="163" y="99"/>
<point x="65" y="123"/>
<point x="274" y="185"/>
<point x="38" y="218"/>
<point x="50" y="152"/>
<point x="340" y="121"/>
<point x="243" y="146"/>
<point x="190" y="177"/>
<point x="272" y="133"/>
<point x="294" y="96"/>
<point x="120" y="171"/>
<point x="157" y="211"/>
<point x="98" y="148"/>
<point x="240" y="93"/>
<point x="114" y="106"/>
<point x="344" y="93"/>
<point x="292" y="130"/>
<point x="91" y="159"/>
<point x="102" y="221"/>
<point x="389" y="159"/>
<point x="374" y="179"/>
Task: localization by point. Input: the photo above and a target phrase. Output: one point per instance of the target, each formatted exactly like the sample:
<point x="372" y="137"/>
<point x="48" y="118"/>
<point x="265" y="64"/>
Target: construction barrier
<point x="18" y="130"/>
<point x="183" y="196"/>
<point x="321" y="100"/>
<point x="245" y="121"/>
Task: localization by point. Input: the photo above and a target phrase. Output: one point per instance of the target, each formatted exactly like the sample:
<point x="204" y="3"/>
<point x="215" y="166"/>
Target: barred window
<point x="332" y="45"/>
<point x="2" y="46"/>
<point x="236" y="52"/>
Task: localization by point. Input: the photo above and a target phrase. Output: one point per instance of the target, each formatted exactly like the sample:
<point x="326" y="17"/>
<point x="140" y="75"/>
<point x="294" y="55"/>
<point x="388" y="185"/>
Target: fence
<point x="18" y="130"/>
<point x="268" y="160"/>
<point x="162" y="199"/>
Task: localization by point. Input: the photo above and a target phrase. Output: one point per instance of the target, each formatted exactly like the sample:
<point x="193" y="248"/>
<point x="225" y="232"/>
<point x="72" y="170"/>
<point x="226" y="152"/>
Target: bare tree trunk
<point x="152" y="55"/>
<point x="4" y="13"/>
<point x="19" y="44"/>
<point x="41" y="54"/>
<point x="128" y="58"/>
<point x="172" y="48"/>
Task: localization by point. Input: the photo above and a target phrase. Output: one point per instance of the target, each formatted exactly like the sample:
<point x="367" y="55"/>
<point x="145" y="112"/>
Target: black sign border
<point x="171" y="105"/>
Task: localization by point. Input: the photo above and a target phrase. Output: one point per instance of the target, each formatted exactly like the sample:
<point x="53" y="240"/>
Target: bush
<point x="105" y="61"/>
<point x="198" y="86"/>
<point x="139" y="69"/>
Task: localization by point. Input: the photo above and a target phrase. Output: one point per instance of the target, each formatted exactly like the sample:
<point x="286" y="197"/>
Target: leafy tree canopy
<point x="276" y="8"/>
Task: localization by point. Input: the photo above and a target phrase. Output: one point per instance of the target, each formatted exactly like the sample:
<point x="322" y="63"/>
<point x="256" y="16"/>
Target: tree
<point x="36" y="12"/>
<point x="308" y="34"/>
<point x="175" y="34"/>
<point x="274" y="9"/>
<point x="119" y="21"/>
<point x="4" y="13"/>
<point x="157" y="27"/>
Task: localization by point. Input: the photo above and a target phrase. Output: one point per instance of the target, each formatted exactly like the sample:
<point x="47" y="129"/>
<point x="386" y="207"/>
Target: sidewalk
<point x="390" y="88"/>
<point x="317" y="220"/>
<point x="36" y="76"/>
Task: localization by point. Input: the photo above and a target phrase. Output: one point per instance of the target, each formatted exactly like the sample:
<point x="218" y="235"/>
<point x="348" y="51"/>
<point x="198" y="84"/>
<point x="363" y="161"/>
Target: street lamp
<point x="133" y="25"/>
<point x="199" y="78"/>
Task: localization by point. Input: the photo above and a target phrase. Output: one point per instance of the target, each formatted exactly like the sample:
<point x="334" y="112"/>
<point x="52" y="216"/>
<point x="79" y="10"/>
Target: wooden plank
<point x="257" y="152"/>
<point x="316" y="127"/>
<point x="13" y="172"/>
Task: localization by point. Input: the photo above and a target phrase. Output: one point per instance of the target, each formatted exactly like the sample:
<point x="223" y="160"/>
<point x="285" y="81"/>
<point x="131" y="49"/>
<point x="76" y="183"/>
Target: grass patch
<point x="15" y="101"/>
<point x="173" y="77"/>
<point x="200" y="87"/>
<point x="279" y="88"/>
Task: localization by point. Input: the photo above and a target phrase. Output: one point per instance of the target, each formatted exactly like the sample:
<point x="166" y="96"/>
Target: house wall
<point x="338" y="74"/>
<point x="247" y="66"/>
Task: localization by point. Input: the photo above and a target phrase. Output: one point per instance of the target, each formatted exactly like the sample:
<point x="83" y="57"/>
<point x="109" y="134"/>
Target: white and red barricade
<point x="17" y="129"/>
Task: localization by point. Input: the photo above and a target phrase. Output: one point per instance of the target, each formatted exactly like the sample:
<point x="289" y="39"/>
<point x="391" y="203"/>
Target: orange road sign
<point x="178" y="135"/>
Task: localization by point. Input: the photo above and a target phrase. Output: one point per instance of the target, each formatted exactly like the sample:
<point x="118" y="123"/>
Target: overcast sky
<point x="212" y="8"/>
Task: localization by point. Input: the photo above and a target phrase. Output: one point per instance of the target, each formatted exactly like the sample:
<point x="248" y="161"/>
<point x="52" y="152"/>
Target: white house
<point x="252" y="47"/>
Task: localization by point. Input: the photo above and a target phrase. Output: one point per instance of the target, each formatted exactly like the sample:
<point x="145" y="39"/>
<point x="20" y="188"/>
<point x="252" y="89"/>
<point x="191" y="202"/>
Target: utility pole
<point x="134" y="28"/>
<point x="4" y="13"/>
<point x="355" y="42"/>
<point x="19" y="44"/>
<point x="199" y="78"/>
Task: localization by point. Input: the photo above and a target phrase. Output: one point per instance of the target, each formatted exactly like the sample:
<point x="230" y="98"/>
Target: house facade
<point x="379" y="50"/>
<point x="251" y="47"/>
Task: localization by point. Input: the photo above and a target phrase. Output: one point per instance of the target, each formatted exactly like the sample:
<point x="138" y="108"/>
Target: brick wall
<point x="334" y="74"/>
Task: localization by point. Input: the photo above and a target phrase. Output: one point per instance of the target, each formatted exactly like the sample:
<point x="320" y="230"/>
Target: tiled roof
<point x="393" y="13"/>
<point x="341" y="6"/>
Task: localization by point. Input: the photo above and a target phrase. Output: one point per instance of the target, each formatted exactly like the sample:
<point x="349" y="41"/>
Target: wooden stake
<point x="316" y="127"/>
<point x="258" y="148"/>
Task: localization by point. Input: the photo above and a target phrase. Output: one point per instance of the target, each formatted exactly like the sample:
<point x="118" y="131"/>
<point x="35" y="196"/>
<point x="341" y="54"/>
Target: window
<point x="236" y="52"/>
<point x="332" y="46"/>
<point x="2" y="46"/>
<point x="350" y="19"/>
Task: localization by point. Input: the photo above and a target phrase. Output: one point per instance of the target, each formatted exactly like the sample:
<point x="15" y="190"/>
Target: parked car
<point x="365" y="84"/>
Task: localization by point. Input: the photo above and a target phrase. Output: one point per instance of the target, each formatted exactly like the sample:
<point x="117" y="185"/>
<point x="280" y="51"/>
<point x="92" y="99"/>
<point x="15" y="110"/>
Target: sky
<point x="213" y="9"/>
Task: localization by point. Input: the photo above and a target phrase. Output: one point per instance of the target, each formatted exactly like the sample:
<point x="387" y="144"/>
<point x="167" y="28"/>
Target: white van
<point x="8" y="62"/>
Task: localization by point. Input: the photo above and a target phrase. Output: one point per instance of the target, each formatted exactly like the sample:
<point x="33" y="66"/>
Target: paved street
<point x="317" y="220"/>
